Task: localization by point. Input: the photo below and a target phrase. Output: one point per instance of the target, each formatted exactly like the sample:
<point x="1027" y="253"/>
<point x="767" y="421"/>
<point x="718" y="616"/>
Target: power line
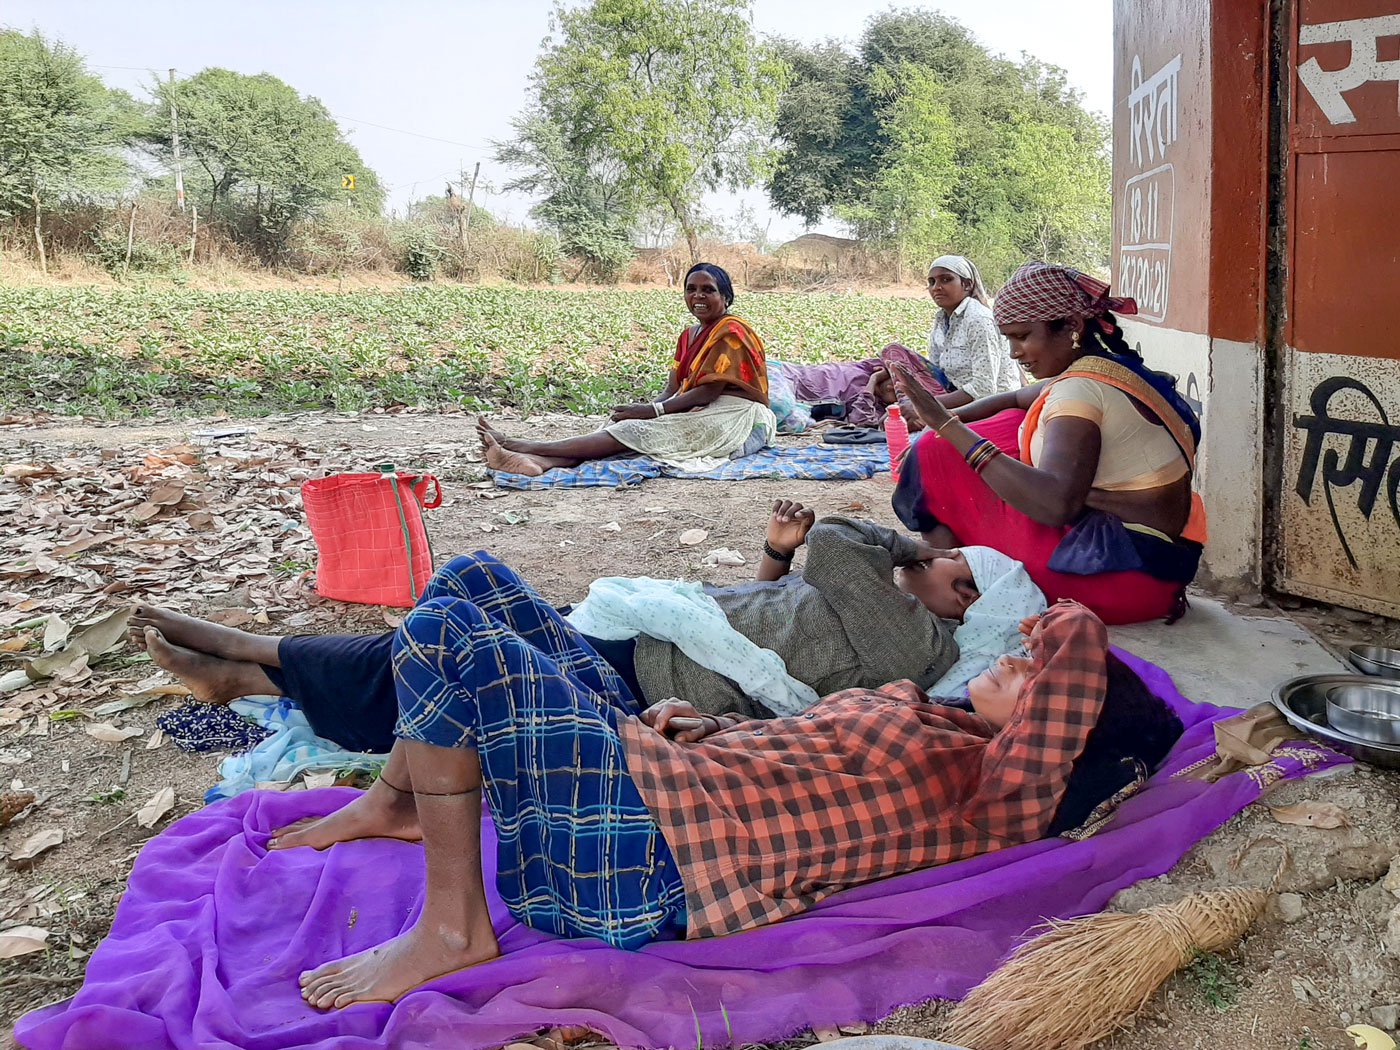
<point x="415" y="134"/>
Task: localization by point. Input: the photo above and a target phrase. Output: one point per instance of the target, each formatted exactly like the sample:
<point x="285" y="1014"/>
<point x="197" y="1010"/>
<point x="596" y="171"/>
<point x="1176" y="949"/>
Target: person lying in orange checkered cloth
<point x="630" y="825"/>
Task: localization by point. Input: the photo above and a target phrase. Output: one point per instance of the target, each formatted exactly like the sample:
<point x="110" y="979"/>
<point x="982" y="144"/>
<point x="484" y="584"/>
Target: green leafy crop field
<point x="136" y="351"/>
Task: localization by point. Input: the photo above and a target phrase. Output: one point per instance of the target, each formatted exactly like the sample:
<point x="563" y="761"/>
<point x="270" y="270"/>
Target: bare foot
<point x="380" y="813"/>
<point x="211" y="679"/>
<point x="194" y="633"/>
<point x="385" y="973"/>
<point x="500" y="458"/>
<point x="484" y="429"/>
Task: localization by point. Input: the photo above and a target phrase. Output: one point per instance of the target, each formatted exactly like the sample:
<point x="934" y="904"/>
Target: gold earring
<point x="1074" y="341"/>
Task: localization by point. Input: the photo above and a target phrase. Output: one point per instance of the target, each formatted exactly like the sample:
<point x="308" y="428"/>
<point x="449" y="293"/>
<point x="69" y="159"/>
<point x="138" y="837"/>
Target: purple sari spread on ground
<point x="213" y="930"/>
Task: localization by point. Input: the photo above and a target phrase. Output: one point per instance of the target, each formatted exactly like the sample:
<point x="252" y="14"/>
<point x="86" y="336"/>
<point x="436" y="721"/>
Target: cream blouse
<point x="1134" y="454"/>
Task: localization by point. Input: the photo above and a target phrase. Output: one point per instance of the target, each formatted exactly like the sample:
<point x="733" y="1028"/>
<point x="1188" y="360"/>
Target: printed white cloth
<point x="991" y="627"/>
<point x="700" y="440"/>
<point x="681" y="613"/>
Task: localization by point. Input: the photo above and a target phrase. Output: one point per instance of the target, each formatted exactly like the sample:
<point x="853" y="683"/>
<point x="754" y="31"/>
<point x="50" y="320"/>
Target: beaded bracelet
<point x="776" y="554"/>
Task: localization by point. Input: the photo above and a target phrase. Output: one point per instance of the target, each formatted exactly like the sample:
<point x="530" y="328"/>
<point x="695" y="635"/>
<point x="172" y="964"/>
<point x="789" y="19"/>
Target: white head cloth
<point x="991" y="627"/>
<point x="966" y="269"/>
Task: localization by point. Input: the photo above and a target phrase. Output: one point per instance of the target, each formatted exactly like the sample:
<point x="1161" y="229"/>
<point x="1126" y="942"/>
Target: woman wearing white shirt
<point x="965" y="344"/>
<point x="967" y="354"/>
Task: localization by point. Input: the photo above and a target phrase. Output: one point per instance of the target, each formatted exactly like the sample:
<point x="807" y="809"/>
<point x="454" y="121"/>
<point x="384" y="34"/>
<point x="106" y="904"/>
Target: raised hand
<point x="927" y="407"/>
<point x="788" y="525"/>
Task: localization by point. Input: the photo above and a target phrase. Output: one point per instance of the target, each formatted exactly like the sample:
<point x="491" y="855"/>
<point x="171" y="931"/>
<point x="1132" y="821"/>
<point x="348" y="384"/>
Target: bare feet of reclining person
<point x="210" y="679"/>
<point x="203" y="636"/>
<point x="386" y="972"/>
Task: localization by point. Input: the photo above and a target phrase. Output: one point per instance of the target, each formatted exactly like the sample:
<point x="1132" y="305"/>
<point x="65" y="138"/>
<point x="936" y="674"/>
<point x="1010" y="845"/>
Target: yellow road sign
<point x="347" y="182"/>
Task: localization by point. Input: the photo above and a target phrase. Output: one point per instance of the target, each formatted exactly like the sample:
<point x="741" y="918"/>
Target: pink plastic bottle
<point x="897" y="437"/>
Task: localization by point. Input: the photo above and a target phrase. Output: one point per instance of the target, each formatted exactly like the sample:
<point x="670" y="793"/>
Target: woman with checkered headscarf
<point x="1084" y="476"/>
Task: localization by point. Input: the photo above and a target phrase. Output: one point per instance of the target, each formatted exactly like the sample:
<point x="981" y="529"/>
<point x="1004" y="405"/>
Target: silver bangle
<point x="659" y="407"/>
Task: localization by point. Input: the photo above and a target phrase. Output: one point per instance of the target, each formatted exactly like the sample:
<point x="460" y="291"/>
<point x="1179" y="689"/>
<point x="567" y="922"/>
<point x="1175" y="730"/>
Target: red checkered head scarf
<point x="1042" y="292"/>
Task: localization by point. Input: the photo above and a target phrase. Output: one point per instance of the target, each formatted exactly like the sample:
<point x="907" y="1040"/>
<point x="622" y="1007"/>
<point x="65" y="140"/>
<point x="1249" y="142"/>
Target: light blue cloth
<point x="991" y="627"/>
<point x="681" y="613"/>
<point x="793" y="416"/>
<point x="292" y="749"/>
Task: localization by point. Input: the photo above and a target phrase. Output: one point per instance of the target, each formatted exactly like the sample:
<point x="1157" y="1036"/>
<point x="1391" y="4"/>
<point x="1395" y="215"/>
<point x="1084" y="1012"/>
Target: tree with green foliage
<point x="588" y="199"/>
<point x="924" y="141"/>
<point x="905" y="205"/>
<point x="61" y="130"/>
<point x="679" y="94"/>
<point x="824" y="129"/>
<point x="267" y="157"/>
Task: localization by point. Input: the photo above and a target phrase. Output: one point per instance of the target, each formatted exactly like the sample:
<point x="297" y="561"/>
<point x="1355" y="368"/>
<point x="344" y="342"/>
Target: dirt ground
<point x="94" y="517"/>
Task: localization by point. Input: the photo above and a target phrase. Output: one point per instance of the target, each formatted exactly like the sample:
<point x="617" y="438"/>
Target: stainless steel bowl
<point x="1303" y="703"/>
<point x="1375" y="660"/>
<point x="1370" y="711"/>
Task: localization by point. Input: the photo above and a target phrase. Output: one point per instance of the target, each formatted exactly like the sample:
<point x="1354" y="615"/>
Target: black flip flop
<point x="853" y="436"/>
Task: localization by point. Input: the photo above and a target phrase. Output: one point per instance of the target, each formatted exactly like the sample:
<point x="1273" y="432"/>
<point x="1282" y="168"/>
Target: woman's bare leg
<point x="454" y="929"/>
<point x="205" y="637"/>
<point x="385" y="811"/>
<point x="533" y="458"/>
<point x="210" y="679"/>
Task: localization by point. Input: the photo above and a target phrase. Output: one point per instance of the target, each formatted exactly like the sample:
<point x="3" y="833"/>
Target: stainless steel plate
<point x="1303" y="702"/>
<point x="1370" y="711"/>
<point x="1375" y="660"/>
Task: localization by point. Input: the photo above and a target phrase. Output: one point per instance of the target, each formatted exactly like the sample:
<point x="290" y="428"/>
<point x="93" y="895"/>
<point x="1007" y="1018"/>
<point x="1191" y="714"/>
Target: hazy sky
<point x="458" y="71"/>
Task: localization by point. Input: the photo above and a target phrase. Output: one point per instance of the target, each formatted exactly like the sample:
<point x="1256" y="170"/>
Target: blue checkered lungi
<point x="484" y="662"/>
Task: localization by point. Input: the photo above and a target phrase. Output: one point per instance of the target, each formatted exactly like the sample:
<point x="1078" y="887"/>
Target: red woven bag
<point x="370" y="536"/>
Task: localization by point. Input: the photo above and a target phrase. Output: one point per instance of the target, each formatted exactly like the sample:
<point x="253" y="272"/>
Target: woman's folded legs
<point x="483" y="708"/>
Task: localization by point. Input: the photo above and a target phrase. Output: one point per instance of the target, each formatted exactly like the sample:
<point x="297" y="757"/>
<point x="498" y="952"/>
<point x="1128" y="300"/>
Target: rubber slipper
<point x="853" y="436"/>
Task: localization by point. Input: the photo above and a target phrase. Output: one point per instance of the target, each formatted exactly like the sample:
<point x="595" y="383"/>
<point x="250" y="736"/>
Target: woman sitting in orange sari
<point x="1085" y="477"/>
<point x="714" y="406"/>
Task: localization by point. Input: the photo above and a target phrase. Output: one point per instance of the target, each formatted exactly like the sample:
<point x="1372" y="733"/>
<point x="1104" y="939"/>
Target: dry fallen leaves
<point x="110" y="734"/>
<point x="173" y="526"/>
<point x="36" y="844"/>
<point x="1312" y="815"/>
<point x="22" y="940"/>
<point x="157" y="806"/>
<point x="12" y="804"/>
<point x="723" y="556"/>
<point x="74" y="658"/>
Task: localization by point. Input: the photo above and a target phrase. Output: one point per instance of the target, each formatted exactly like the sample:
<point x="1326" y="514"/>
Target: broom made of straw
<point x="1086" y="978"/>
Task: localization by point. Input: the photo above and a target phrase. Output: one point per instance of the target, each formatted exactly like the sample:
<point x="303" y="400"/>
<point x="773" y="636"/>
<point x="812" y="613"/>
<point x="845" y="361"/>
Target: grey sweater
<point x="841" y="624"/>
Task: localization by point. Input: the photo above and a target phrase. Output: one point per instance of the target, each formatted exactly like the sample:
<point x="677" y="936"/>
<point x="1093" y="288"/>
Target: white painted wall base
<point x="1224" y="380"/>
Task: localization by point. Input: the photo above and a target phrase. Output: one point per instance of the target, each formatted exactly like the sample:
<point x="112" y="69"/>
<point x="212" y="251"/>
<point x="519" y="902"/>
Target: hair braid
<point x="1113" y="340"/>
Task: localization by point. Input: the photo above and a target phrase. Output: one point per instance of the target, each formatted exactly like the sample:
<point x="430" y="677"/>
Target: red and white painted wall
<point x="1257" y="222"/>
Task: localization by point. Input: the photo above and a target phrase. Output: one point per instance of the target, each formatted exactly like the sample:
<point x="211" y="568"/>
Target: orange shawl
<point x="1102" y="370"/>
<point x="730" y="352"/>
